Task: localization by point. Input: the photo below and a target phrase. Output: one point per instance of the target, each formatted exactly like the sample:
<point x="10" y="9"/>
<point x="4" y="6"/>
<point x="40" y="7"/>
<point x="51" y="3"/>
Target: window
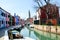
<point x="8" y="15"/>
<point x="2" y="22"/>
<point x="6" y="22"/>
<point x="3" y="14"/>
<point x="18" y="19"/>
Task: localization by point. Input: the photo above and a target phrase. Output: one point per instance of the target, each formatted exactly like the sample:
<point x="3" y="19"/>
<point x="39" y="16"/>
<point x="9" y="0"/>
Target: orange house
<point x="30" y="20"/>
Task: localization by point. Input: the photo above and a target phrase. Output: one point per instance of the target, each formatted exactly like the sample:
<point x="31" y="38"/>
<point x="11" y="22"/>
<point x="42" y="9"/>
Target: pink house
<point x="7" y="20"/>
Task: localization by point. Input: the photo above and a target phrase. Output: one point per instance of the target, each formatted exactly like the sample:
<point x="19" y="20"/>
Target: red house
<point x="13" y="20"/>
<point x="51" y="10"/>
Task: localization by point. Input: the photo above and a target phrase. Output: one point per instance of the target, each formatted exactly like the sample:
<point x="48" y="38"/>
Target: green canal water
<point x="27" y="32"/>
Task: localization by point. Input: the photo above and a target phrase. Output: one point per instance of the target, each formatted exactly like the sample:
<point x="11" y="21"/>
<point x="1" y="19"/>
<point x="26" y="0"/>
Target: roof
<point x="4" y="10"/>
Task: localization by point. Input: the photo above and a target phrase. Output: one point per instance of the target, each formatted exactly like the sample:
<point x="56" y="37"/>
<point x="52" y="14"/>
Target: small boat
<point x="15" y="35"/>
<point x="31" y="26"/>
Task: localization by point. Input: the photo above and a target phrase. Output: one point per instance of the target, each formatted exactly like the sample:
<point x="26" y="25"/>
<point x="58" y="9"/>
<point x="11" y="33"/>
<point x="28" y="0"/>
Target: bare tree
<point x="39" y="3"/>
<point x="47" y="1"/>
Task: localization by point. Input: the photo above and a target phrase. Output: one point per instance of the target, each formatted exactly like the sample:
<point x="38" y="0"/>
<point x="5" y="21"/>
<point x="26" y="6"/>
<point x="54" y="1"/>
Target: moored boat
<point x="13" y="34"/>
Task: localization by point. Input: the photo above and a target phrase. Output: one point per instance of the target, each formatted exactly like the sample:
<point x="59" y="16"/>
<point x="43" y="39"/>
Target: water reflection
<point x="29" y="33"/>
<point x="26" y="32"/>
<point x="47" y="36"/>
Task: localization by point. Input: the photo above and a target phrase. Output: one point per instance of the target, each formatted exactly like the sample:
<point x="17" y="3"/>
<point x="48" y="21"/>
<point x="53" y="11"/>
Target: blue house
<point x="6" y="19"/>
<point x="2" y="18"/>
<point x="17" y="18"/>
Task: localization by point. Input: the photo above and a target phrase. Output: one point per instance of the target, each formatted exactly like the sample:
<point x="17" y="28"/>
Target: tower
<point x="29" y="14"/>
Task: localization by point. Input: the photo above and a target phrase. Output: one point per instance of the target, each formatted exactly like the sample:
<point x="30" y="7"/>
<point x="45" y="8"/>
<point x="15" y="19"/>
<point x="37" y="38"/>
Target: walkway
<point x="2" y="31"/>
<point x="46" y="28"/>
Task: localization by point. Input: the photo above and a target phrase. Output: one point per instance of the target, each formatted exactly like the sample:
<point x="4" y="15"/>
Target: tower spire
<point x="29" y="14"/>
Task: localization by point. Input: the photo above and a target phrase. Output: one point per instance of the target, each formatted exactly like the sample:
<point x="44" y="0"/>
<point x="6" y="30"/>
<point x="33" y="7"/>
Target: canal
<point x="38" y="35"/>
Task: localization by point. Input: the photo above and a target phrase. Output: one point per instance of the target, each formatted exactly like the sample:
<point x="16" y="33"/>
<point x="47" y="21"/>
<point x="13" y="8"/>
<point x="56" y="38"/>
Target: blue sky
<point x="21" y="7"/>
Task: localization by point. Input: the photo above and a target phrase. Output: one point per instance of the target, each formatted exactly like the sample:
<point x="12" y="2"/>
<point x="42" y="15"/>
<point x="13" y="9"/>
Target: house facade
<point x="13" y="21"/>
<point x="17" y="19"/>
<point x="7" y="20"/>
<point x="2" y="18"/>
<point x="50" y="12"/>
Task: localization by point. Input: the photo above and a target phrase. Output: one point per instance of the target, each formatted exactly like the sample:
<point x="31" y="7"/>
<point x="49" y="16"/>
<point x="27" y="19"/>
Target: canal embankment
<point x="42" y="35"/>
<point x="51" y="29"/>
<point x="46" y="35"/>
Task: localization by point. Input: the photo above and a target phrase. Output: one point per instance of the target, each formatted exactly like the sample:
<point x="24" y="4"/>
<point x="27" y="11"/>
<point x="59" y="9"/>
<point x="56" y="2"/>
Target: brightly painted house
<point x="17" y="19"/>
<point x="48" y="12"/>
<point x="2" y="18"/>
<point x="22" y="22"/>
<point x="13" y="20"/>
<point x="7" y="20"/>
